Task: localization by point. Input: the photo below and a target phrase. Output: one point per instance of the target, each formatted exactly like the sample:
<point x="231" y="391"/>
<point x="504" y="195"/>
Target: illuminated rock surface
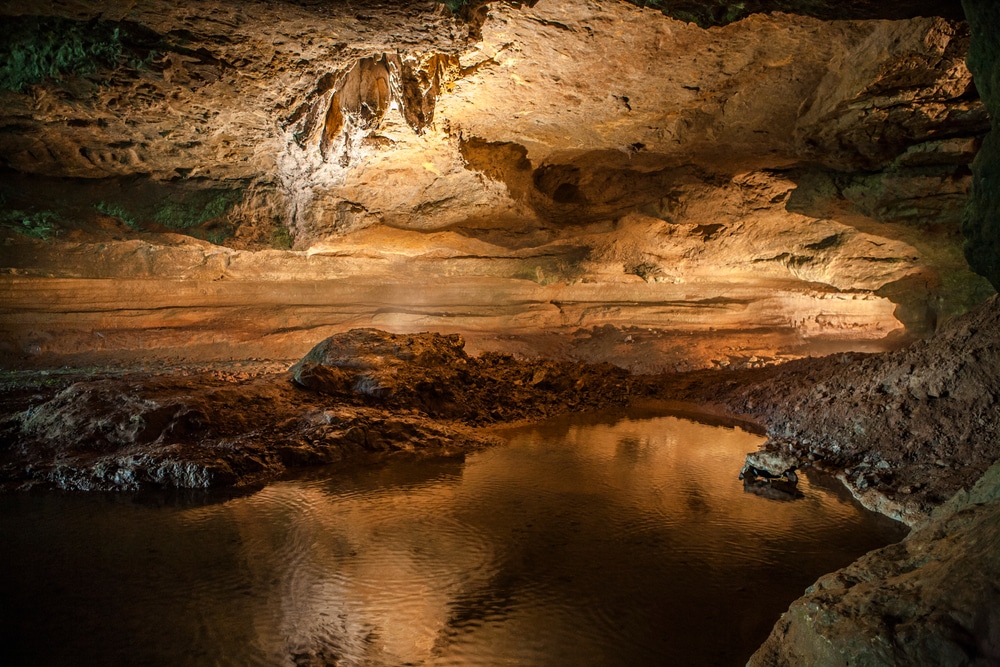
<point x="906" y="429"/>
<point x="799" y="178"/>
<point x="358" y="395"/>
<point x="578" y="181"/>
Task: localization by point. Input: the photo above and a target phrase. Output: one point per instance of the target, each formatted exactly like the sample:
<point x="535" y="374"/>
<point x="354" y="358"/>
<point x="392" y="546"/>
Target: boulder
<point x="932" y="599"/>
<point x="415" y="370"/>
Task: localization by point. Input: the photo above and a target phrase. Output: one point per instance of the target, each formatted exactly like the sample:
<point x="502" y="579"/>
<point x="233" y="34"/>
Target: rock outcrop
<point x="601" y="164"/>
<point x="904" y="430"/>
<point x="982" y="221"/>
<point x="357" y="395"/>
<point x="930" y="600"/>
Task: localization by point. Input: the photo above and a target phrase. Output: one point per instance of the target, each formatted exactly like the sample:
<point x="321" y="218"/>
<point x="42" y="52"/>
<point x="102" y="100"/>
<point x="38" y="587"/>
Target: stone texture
<point x="658" y="193"/>
<point x="930" y="600"/>
<point x="982" y="222"/>
<point x="357" y="396"/>
<point x="433" y="374"/>
<point x="904" y="430"/>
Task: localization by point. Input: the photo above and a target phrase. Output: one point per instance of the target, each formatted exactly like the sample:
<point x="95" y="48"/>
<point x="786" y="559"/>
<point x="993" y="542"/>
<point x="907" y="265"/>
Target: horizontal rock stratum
<point x="591" y="164"/>
<point x="579" y="180"/>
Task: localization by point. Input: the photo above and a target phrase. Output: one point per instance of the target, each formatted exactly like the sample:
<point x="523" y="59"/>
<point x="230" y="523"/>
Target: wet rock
<point x="417" y="369"/>
<point x="889" y="417"/>
<point x="360" y="395"/>
<point x="773" y="460"/>
<point x="930" y="600"/>
<point x="431" y="373"/>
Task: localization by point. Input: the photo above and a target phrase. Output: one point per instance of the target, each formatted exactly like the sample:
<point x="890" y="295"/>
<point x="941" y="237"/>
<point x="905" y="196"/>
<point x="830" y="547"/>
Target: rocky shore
<point x="357" y="395"/>
<point x="914" y="435"/>
<point x="906" y="431"/>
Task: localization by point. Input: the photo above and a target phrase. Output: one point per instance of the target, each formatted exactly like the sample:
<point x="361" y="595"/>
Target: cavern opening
<point x="287" y="286"/>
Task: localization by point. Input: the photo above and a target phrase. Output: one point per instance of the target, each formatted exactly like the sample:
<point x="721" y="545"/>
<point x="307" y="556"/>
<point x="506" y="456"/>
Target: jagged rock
<point x="200" y="431"/>
<point x="910" y="427"/>
<point x="653" y="190"/>
<point x="374" y="119"/>
<point x="930" y="600"/>
<point x="982" y="222"/>
<point x="432" y="373"/>
<point x="368" y="394"/>
<point x="774" y="461"/>
<point x="419" y="369"/>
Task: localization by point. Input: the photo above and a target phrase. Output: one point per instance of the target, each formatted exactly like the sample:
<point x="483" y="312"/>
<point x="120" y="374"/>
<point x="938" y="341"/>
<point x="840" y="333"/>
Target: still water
<point x="594" y="540"/>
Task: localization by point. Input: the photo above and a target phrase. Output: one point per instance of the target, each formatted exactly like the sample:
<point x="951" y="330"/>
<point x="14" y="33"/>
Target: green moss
<point x="734" y="13"/>
<point x="281" y="238"/>
<point x="116" y="210"/>
<point x="217" y="236"/>
<point x="42" y="225"/>
<point x="201" y="214"/>
<point x="33" y="49"/>
<point x="194" y="211"/>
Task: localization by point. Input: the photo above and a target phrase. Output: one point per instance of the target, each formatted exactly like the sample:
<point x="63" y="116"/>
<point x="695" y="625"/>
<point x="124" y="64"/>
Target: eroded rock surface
<point x="362" y="394"/>
<point x="906" y="429"/>
<point x="930" y="600"/>
<point x="596" y="164"/>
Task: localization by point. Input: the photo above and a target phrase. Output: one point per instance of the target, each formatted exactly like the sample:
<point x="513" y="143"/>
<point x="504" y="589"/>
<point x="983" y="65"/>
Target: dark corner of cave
<point x="482" y="331"/>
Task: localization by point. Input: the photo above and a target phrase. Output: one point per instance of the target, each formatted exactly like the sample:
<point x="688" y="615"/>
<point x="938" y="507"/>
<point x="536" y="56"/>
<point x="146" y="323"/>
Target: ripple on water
<point x="600" y="541"/>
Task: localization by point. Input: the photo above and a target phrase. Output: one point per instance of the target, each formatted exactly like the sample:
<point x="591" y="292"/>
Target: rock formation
<point x="360" y="394"/>
<point x="980" y="226"/>
<point x="706" y="184"/>
<point x="906" y="430"/>
<point x="800" y="177"/>
<point x="933" y="598"/>
<point x="930" y="600"/>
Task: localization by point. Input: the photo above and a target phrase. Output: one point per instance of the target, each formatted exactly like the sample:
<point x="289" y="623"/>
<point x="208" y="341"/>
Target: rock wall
<point x="929" y="600"/>
<point x="982" y="222"/>
<point x="601" y="164"/>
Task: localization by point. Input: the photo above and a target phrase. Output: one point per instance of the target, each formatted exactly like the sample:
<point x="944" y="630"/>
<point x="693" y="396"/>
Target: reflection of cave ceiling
<point x="562" y="143"/>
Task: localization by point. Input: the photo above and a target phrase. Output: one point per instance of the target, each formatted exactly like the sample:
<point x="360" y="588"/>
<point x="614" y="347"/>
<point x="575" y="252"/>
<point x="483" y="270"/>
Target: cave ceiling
<point x="814" y="150"/>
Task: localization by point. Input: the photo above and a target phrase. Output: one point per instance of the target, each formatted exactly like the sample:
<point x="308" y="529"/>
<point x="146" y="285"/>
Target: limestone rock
<point x="370" y="118"/>
<point x="198" y="431"/>
<point x="773" y="460"/>
<point x="930" y="600"/>
<point x="560" y="168"/>
<point x="419" y="367"/>
<point x="358" y="395"/>
<point x="981" y="226"/>
<point x="907" y="429"/>
<point x="432" y="373"/>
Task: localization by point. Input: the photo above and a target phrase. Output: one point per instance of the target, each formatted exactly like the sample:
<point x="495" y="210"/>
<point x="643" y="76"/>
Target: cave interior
<point x="444" y="216"/>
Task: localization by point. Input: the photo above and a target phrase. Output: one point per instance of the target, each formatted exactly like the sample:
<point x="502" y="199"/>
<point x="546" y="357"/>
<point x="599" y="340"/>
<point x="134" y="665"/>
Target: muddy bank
<point x="904" y="430"/>
<point x="375" y="394"/>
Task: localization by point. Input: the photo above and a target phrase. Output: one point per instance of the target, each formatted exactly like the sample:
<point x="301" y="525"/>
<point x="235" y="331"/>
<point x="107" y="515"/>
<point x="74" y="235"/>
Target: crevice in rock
<point x="362" y="96"/>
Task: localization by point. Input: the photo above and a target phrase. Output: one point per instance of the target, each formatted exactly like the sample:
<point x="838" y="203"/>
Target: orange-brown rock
<point x="513" y="180"/>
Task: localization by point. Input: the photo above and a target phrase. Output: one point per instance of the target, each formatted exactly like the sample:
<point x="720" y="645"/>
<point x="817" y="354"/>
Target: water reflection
<point x="585" y="541"/>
